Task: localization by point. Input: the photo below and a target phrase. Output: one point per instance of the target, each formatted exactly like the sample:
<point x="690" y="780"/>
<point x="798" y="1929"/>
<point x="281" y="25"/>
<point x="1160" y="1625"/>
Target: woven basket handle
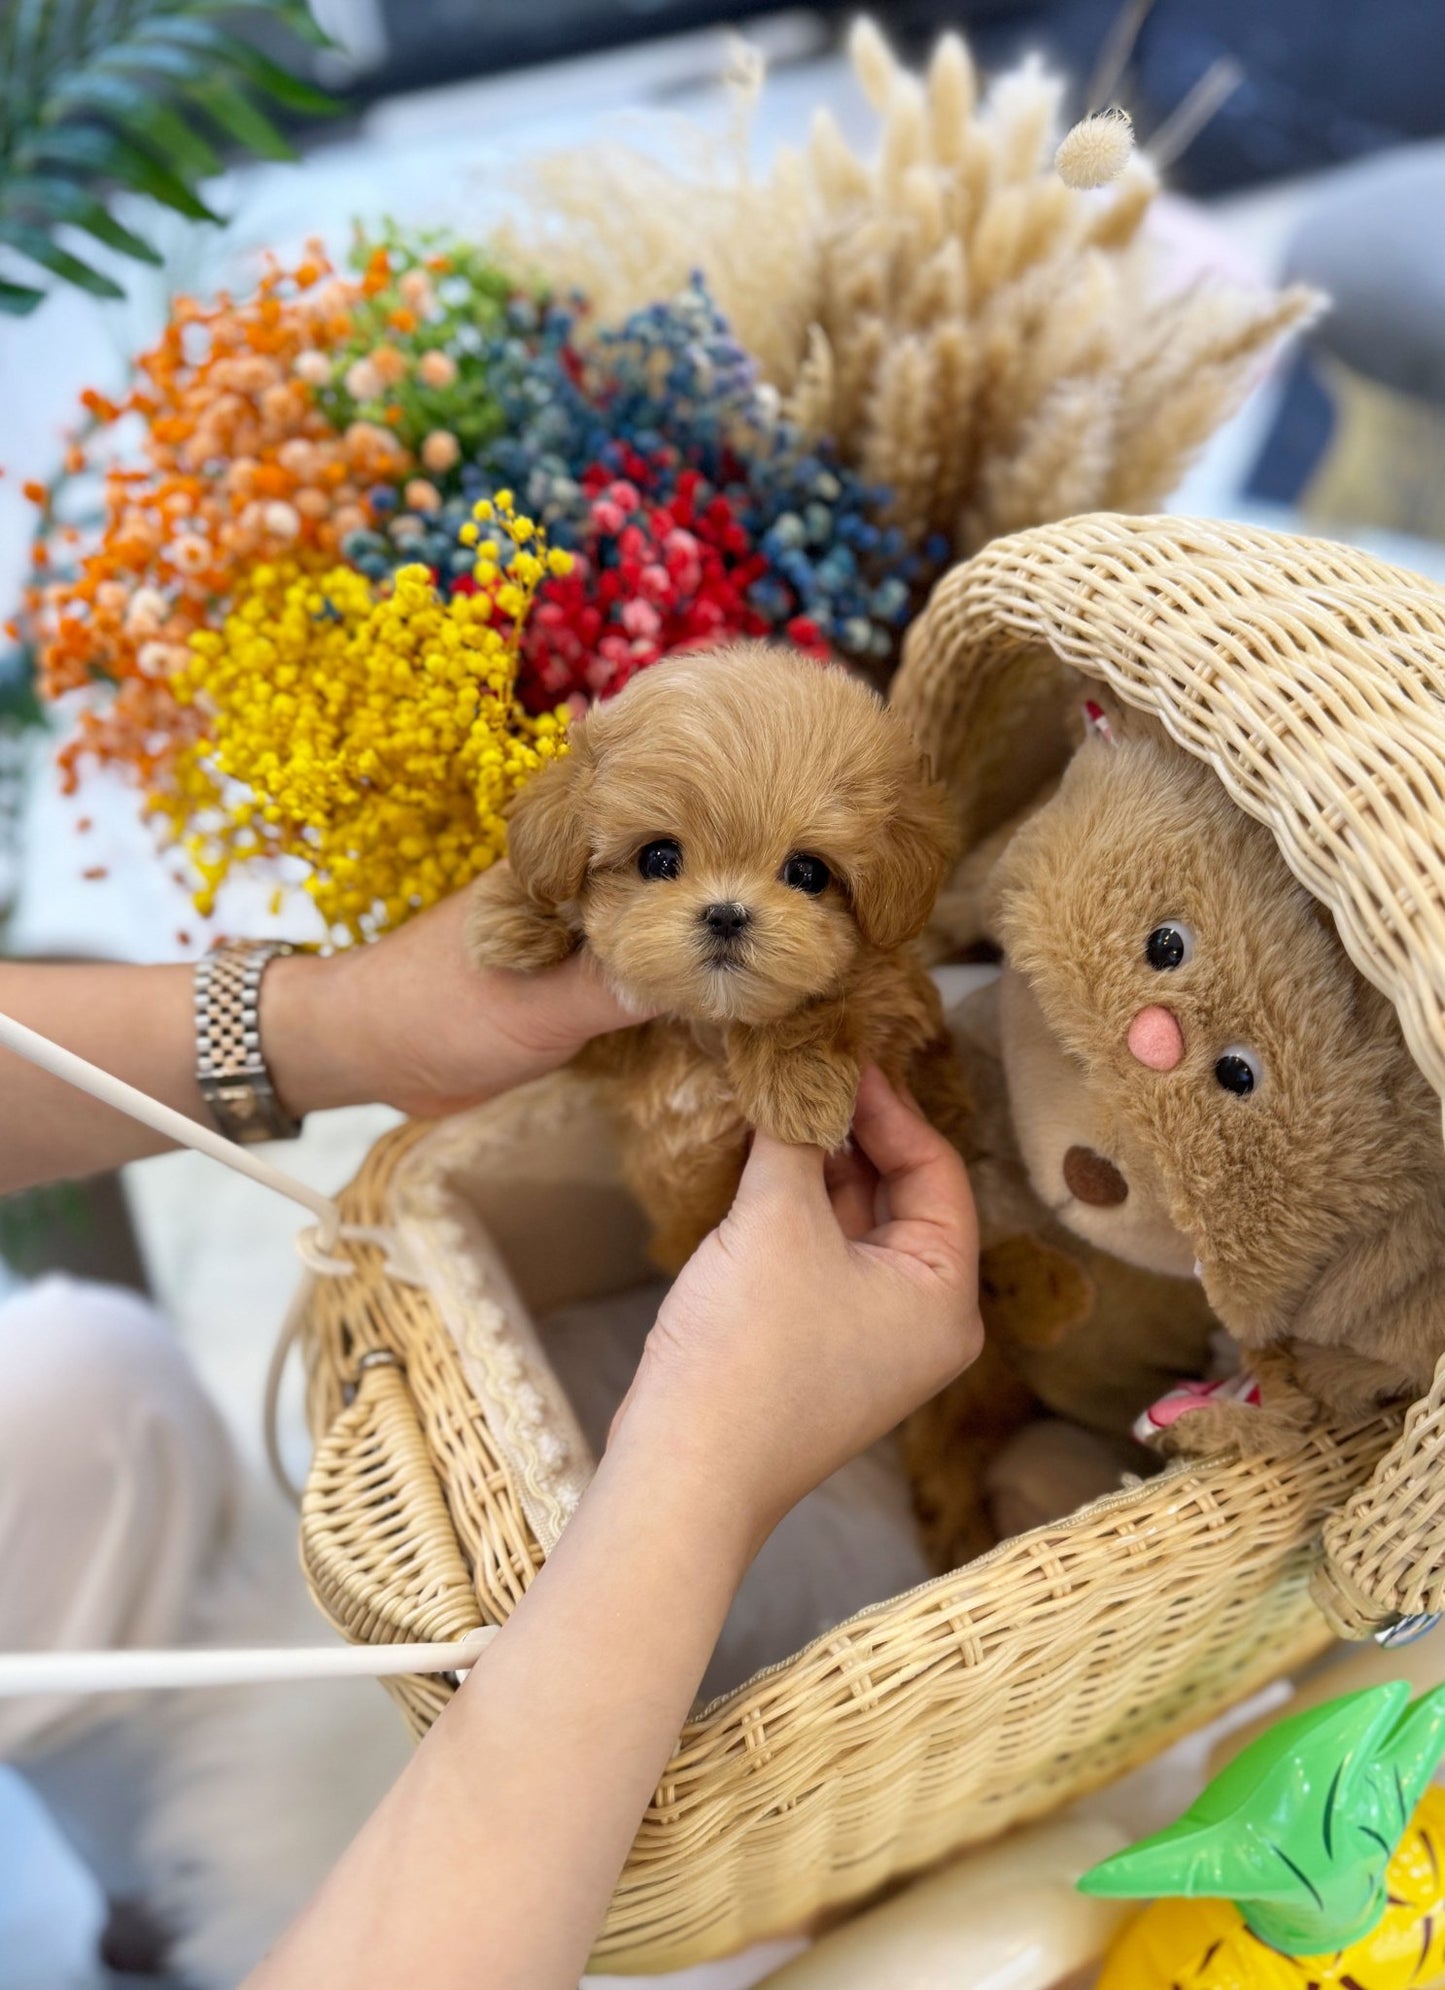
<point x="1384" y="1551"/>
<point x="1230" y="636"/>
<point x="374" y="1461"/>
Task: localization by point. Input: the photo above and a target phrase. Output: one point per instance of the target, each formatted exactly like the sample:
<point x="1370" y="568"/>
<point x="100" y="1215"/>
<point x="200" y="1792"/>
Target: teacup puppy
<point x="748" y="842"/>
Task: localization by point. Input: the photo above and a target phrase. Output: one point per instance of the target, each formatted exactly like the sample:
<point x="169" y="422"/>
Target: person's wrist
<point x="312" y="1033"/>
<point x="654" y="1457"/>
<point x="695" y="1463"/>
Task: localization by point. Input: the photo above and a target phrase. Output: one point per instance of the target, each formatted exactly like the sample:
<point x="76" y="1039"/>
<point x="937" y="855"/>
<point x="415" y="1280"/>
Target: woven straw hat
<point x="1311" y="679"/>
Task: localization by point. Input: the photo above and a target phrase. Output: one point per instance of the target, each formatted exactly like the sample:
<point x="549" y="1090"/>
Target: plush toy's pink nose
<point x="1156" y="1039"/>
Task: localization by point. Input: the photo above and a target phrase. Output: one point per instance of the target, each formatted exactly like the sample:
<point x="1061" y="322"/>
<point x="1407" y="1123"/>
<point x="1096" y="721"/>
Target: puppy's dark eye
<point x="805" y="873"/>
<point x="1238" y="1071"/>
<point x="1169" y="946"/>
<point x="662" y="859"/>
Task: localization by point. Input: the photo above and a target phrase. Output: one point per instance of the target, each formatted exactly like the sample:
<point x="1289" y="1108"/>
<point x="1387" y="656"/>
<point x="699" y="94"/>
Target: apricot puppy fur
<point x="748" y="842"/>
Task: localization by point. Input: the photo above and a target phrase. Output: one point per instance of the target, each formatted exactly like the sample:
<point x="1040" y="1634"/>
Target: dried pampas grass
<point x="983" y="337"/>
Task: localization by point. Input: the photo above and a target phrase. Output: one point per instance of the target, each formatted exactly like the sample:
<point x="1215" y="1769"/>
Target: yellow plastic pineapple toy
<point x="1315" y="1861"/>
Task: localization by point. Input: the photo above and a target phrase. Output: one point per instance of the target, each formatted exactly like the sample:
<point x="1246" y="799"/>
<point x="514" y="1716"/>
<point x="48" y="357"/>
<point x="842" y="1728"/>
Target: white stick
<point x="71" y="1672"/>
<point x="87" y="1077"/>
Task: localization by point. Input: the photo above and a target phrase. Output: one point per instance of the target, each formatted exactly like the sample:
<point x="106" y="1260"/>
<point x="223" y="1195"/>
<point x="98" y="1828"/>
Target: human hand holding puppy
<point x="409" y="1021"/>
<point x="746" y="1380"/>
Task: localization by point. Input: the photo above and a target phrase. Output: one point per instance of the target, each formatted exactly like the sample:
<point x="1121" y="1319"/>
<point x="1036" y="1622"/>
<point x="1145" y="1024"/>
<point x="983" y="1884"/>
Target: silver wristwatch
<point x="230" y="1067"/>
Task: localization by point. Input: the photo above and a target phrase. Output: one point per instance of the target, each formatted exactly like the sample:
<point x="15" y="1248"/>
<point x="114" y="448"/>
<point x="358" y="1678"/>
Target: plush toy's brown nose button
<point x="1091" y="1178"/>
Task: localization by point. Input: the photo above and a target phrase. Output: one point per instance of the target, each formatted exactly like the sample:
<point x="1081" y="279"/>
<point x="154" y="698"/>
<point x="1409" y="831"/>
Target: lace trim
<point x="524" y="1406"/>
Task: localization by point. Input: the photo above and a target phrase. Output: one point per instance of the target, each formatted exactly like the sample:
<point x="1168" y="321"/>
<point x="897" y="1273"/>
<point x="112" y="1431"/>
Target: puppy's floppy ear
<point x="547" y="840"/>
<point x="896" y="883"/>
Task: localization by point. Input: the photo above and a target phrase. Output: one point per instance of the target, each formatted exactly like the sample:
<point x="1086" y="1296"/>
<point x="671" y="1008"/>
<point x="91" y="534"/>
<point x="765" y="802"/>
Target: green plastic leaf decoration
<point x="99" y="97"/>
<point x="1299" y="1829"/>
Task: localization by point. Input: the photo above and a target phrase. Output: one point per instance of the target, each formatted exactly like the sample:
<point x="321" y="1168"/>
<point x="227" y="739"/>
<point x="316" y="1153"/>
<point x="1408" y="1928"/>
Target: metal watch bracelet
<point x="231" y="1069"/>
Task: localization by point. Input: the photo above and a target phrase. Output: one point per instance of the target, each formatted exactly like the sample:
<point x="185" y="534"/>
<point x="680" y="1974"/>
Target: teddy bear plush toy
<point x="1240" y="1075"/>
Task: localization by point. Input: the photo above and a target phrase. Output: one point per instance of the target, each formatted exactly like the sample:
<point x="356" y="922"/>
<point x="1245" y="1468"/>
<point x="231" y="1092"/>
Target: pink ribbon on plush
<point x="1194" y="1396"/>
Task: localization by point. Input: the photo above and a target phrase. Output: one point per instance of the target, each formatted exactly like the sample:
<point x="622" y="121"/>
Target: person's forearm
<point x="493" y="1858"/>
<point x="134" y="1022"/>
<point x="137" y="1023"/>
<point x="406" y="1020"/>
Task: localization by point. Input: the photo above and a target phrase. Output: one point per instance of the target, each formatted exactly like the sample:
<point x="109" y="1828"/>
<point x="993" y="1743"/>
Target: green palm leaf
<point x="102" y="96"/>
<point x="239" y="118"/>
<point x="93" y="154"/>
<point x="18" y="299"/>
<point x="43" y="201"/>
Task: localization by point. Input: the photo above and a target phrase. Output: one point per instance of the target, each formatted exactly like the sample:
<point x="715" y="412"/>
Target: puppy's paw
<point x="810" y="1102"/>
<point x="507" y="929"/>
<point x="954" y="1524"/>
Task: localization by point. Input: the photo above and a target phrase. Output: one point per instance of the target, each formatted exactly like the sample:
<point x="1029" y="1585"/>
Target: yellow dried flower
<point x="374" y="736"/>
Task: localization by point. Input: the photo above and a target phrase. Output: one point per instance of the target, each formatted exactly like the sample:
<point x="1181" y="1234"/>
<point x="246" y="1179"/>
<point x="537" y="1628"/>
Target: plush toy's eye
<point x="805" y="873"/>
<point x="1169" y="946"/>
<point x="662" y="859"/>
<point x="1239" y="1071"/>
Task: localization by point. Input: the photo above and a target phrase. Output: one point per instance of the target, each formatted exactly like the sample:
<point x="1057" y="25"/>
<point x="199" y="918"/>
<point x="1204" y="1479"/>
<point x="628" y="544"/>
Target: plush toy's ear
<point x="547" y="839"/>
<point x="895" y="886"/>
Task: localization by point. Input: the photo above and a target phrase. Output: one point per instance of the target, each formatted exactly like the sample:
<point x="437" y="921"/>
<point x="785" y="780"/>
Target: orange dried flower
<point x="239" y="464"/>
<point x="390" y="364"/>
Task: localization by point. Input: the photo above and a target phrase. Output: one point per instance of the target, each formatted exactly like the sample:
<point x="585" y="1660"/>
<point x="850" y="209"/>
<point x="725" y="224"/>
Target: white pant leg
<point x="117" y="1483"/>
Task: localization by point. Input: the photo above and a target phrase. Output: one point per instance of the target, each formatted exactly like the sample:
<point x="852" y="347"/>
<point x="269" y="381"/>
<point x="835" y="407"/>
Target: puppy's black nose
<point x="1092" y="1179"/>
<point x="725" y="922"/>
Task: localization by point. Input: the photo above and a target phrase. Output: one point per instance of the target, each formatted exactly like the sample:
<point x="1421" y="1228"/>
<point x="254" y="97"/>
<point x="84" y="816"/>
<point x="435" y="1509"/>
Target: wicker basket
<point x="1309" y="677"/>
